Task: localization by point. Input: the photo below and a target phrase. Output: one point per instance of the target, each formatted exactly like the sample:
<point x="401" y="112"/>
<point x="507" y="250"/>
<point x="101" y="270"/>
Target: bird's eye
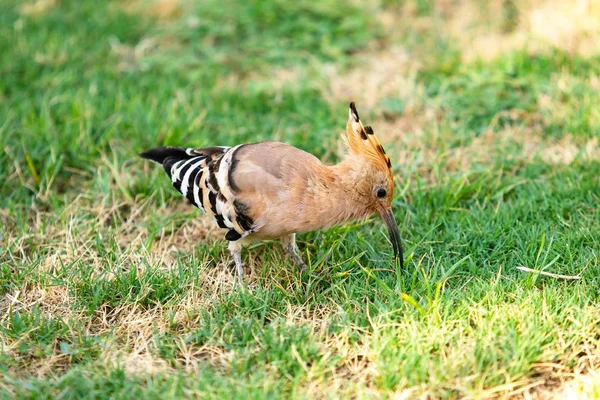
<point x="381" y="193"/>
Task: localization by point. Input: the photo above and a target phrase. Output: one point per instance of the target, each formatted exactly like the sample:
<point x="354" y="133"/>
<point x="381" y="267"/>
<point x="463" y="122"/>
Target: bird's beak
<point x="390" y="223"/>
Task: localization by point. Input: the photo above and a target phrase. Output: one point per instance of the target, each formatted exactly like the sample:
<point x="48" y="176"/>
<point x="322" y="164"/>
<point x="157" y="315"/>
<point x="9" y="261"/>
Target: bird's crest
<point x="361" y="141"/>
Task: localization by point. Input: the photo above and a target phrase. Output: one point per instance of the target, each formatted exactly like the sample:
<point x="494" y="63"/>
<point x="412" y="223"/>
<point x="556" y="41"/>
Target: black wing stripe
<point x="198" y="190"/>
<point x="221" y="221"/>
<point x="212" y="198"/>
<point x="213" y="169"/>
<point x="179" y="171"/>
<point x="232" y="167"/>
<point x="191" y="186"/>
<point x="244" y="222"/>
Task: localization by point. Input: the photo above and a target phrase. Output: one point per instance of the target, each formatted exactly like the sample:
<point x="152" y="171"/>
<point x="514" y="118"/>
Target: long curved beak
<point x="392" y="227"/>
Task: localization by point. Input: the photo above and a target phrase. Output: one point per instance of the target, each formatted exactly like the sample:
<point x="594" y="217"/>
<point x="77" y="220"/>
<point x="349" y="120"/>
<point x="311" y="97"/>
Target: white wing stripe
<point x="175" y="171"/>
<point x="197" y="191"/>
<point x="186" y="178"/>
<point x="223" y="173"/>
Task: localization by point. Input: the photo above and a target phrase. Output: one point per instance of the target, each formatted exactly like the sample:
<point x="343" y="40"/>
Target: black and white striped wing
<point x="203" y="178"/>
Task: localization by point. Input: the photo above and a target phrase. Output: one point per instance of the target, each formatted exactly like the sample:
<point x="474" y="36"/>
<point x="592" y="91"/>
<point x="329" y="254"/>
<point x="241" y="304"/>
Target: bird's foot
<point x="236" y="251"/>
<point x="290" y="247"/>
<point x="300" y="263"/>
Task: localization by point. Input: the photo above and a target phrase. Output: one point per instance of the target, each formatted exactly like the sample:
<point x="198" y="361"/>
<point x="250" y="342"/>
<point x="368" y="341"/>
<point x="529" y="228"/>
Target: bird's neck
<point x="346" y="176"/>
<point x="337" y="197"/>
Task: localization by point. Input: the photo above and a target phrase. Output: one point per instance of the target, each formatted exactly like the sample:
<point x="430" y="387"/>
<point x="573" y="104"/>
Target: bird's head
<point x="375" y="185"/>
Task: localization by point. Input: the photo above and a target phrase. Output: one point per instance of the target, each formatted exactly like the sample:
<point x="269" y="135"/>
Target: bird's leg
<point x="235" y="248"/>
<point x="289" y="245"/>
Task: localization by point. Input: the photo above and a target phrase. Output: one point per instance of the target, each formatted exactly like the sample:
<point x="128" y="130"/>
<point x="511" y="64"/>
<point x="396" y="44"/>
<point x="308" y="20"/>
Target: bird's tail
<point x="167" y="156"/>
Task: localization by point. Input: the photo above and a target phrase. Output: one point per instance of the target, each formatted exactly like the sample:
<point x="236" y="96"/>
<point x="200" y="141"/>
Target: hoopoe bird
<point x="271" y="190"/>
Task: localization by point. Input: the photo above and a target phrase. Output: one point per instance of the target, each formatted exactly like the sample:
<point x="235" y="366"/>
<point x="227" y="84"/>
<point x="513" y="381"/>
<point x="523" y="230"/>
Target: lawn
<point x="112" y="286"/>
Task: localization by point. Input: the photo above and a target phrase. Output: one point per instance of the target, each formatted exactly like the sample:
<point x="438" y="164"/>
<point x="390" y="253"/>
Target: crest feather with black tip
<point x="361" y="141"/>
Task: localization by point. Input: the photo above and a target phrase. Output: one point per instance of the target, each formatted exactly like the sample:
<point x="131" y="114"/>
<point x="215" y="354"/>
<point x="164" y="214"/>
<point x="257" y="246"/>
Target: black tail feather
<point x="159" y="154"/>
<point x="167" y="156"/>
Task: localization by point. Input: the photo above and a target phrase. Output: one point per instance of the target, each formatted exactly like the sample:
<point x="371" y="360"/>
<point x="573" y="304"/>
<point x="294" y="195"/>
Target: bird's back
<point x="270" y="168"/>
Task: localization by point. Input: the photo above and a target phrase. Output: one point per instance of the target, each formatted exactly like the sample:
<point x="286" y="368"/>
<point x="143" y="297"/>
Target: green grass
<point x="112" y="287"/>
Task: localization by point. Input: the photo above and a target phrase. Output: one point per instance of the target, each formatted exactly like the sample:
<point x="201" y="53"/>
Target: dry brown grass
<point x="161" y="9"/>
<point x="54" y="302"/>
<point x="37" y="7"/>
<point x="487" y="30"/>
<point x="70" y="241"/>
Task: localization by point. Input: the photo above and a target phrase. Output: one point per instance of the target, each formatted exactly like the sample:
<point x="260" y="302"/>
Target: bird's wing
<point x="201" y="175"/>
